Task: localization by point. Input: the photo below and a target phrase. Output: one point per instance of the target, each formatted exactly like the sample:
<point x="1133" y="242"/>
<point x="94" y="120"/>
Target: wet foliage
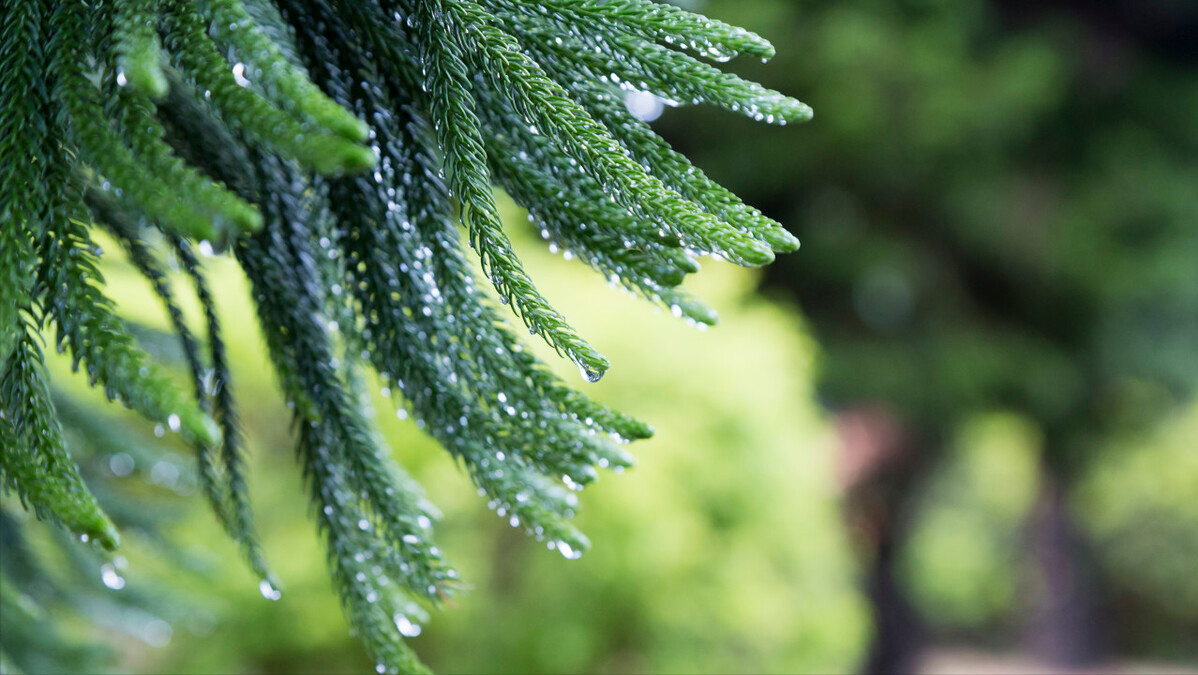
<point x="334" y="148"/>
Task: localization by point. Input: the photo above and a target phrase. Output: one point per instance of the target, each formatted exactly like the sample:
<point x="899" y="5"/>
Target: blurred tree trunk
<point x="899" y="638"/>
<point x="1062" y="621"/>
<point x="882" y="469"/>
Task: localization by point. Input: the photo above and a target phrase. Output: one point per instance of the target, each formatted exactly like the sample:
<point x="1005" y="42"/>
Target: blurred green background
<point x="956" y="432"/>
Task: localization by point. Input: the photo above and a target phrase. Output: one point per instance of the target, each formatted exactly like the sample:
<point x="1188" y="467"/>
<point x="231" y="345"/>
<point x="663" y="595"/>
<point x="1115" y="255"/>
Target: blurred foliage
<point x="991" y="215"/>
<point x="1141" y="504"/>
<point x="998" y="212"/>
<point x="962" y="562"/>
<point x="966" y="561"/>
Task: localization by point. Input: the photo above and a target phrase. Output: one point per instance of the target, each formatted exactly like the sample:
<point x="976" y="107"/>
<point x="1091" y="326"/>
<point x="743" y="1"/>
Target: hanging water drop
<point x="406" y="627"/>
<point x="111" y="579"/>
<point x="568" y="551"/>
<point x="589" y="374"/>
<point x="268" y="590"/>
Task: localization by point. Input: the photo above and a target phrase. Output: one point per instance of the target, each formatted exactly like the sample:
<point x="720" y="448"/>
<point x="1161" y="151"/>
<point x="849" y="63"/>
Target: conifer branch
<point x="334" y="147"/>
<point x="138" y="47"/>
<point x="35" y="463"/>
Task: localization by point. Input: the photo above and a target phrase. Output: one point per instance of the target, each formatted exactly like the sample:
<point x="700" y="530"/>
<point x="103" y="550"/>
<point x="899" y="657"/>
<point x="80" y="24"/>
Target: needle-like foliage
<point x="334" y="147"/>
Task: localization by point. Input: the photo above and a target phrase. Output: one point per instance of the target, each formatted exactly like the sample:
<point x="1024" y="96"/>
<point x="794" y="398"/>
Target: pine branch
<point x="647" y="20"/>
<point x="334" y="147"/>
<point x="138" y="47"/>
<point x="35" y="463"/>
<point x="23" y="193"/>
<point x="237" y="516"/>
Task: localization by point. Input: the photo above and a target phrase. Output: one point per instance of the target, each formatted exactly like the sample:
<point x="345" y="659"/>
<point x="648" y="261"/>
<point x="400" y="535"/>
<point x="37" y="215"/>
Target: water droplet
<point x="121" y="464"/>
<point x="110" y="577"/>
<point x="268" y="590"/>
<point x="588" y="374"/>
<point x="568" y="551"/>
<point x="406" y="627"/>
<point x="164" y="473"/>
<point x="239" y="75"/>
<point x="157" y="633"/>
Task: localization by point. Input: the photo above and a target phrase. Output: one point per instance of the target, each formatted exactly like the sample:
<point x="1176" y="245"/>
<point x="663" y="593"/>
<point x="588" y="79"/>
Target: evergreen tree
<point x="333" y="147"/>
